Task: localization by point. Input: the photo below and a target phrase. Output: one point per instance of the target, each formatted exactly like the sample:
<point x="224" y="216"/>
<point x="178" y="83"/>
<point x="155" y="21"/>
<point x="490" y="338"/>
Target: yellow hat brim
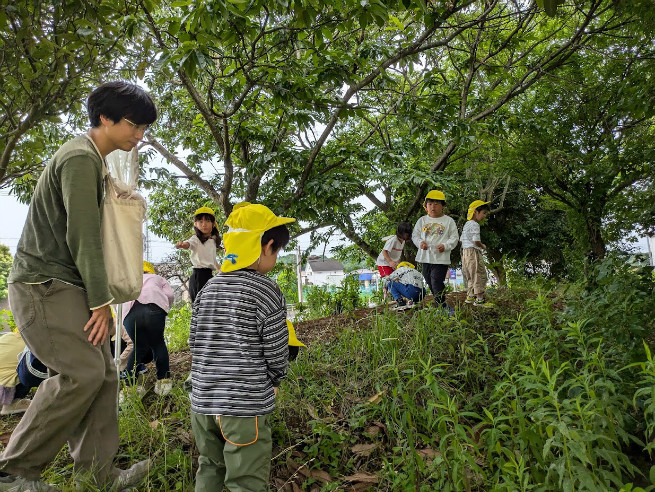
<point x="473" y="206"/>
<point x="242" y="249"/>
<point x="247" y="224"/>
<point x="293" y="340"/>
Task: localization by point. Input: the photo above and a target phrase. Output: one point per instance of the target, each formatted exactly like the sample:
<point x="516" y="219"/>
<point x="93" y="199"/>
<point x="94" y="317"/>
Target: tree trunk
<point x="596" y="243"/>
<point x="497" y="268"/>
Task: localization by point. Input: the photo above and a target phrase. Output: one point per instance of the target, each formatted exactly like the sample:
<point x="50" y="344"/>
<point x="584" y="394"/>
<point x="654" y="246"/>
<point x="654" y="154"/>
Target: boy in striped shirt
<point x="238" y="341"/>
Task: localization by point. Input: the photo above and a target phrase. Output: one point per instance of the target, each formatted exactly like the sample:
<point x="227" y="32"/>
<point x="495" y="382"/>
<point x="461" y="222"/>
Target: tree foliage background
<point x="343" y="114"/>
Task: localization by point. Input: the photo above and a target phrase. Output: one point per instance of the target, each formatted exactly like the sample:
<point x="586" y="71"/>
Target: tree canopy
<point x="343" y="114"/>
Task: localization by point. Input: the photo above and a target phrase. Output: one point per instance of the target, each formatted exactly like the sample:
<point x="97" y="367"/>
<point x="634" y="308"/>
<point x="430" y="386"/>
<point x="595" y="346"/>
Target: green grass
<point x="528" y="396"/>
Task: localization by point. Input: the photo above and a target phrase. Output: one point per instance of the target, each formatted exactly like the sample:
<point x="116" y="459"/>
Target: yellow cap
<point x="405" y="264"/>
<point x="473" y="206"/>
<point x="148" y="267"/>
<point x="434" y="195"/>
<point x="204" y="210"/>
<point x="293" y="341"/>
<point x="247" y="224"/>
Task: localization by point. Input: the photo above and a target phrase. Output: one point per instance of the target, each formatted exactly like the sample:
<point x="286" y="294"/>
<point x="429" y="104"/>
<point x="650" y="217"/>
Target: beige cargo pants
<point x="78" y="403"/>
<point x="474" y="272"/>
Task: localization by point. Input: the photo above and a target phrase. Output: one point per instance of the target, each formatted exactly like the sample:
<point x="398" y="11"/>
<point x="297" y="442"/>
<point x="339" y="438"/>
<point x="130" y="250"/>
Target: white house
<point x="324" y="272"/>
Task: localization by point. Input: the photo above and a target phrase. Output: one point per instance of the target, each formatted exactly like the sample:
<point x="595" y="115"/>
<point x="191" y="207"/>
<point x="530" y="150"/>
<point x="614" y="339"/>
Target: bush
<point x="321" y="301"/>
<point x="177" y="328"/>
<point x="618" y="302"/>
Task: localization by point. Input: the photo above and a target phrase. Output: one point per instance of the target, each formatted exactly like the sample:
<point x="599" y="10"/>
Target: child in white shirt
<point x="203" y="249"/>
<point x="435" y="235"/>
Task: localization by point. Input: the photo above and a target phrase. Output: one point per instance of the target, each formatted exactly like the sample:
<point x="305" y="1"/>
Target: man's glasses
<point x="140" y="128"/>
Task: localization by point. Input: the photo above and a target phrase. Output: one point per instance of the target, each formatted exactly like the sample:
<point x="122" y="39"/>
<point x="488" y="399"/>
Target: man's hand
<point x="393" y="264"/>
<point x="99" y="325"/>
<point x="275" y="388"/>
<point x="441" y="248"/>
<point x="423" y="245"/>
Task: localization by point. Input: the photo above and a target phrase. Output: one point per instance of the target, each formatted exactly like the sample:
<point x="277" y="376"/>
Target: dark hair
<point x="482" y="207"/>
<point x="429" y="200"/>
<point x="118" y="100"/>
<point x="403" y="228"/>
<point x="213" y="233"/>
<point x="279" y="235"/>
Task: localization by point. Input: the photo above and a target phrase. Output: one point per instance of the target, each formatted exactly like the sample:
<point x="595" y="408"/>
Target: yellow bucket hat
<point x="434" y="195"/>
<point x="204" y="210"/>
<point x="148" y="267"/>
<point x="246" y="225"/>
<point x="293" y="341"/>
<point x="405" y="264"/>
<point x="473" y="206"/>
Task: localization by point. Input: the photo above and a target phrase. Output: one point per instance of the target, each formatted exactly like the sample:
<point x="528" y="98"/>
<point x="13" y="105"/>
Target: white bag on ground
<point x="122" y="221"/>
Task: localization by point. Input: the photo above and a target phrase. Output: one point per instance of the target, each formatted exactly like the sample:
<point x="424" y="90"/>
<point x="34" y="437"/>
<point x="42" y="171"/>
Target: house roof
<point x="326" y="266"/>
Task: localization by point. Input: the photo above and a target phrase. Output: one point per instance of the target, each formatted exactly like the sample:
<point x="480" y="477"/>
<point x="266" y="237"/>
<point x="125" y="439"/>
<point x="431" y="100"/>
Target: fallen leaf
<point x="373" y="430"/>
<point x="364" y="449"/>
<point x="154" y="424"/>
<point x="321" y="475"/>
<point x="377" y="398"/>
<point x="295" y="487"/>
<point x="380" y="425"/>
<point x="362" y="477"/>
<point x="312" y="412"/>
<point x="359" y="487"/>
<point x="296" y="467"/>
<point x="185" y="436"/>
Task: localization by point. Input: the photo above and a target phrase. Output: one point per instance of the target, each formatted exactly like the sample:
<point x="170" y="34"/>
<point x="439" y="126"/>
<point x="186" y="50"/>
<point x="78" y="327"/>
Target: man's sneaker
<point x="163" y="386"/>
<point x="13" y="483"/>
<point x="126" y="479"/>
<point x="469" y="300"/>
<point x="18" y="406"/>
<point x="482" y="303"/>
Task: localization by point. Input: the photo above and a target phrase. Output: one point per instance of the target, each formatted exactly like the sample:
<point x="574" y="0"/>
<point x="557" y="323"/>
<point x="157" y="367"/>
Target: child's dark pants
<point x="145" y="325"/>
<point x="435" y="275"/>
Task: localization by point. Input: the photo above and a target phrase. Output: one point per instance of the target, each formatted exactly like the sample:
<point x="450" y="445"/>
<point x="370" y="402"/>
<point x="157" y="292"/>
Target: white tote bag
<point x="122" y="220"/>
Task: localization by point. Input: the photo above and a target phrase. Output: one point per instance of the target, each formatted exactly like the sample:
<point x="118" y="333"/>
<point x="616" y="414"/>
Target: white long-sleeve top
<point x="435" y="231"/>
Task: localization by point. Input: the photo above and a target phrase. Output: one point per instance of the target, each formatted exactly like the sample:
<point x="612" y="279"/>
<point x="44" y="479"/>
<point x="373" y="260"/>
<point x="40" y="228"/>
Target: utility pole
<point x="299" y="273"/>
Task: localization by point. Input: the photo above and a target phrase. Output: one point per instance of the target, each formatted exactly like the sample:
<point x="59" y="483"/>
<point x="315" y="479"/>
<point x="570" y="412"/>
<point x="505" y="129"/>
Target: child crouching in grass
<point x="238" y="341"/>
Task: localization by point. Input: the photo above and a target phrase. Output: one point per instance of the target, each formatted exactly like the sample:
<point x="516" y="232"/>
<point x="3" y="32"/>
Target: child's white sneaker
<point x="469" y="299"/>
<point x="163" y="386"/>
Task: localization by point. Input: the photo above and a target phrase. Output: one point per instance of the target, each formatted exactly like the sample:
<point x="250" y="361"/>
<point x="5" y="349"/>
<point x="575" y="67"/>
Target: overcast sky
<point x="13" y="216"/>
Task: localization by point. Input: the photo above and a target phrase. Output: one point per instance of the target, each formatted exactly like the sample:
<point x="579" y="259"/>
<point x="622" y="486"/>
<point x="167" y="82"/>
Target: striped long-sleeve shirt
<point x="239" y="345"/>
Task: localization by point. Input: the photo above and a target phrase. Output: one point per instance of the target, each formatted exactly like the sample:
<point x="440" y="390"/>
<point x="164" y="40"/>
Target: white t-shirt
<point x="394" y="247"/>
<point x="435" y="231"/>
<point x="203" y="255"/>
<point x="471" y="233"/>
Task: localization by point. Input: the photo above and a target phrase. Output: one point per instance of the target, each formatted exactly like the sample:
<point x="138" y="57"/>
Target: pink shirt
<point x="155" y="290"/>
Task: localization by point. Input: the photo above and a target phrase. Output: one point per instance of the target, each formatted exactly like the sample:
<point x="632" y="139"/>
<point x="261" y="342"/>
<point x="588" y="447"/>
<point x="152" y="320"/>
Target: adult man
<point x="60" y="299"/>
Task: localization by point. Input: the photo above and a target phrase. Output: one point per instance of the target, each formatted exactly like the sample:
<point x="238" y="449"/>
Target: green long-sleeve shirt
<point x="61" y="237"/>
